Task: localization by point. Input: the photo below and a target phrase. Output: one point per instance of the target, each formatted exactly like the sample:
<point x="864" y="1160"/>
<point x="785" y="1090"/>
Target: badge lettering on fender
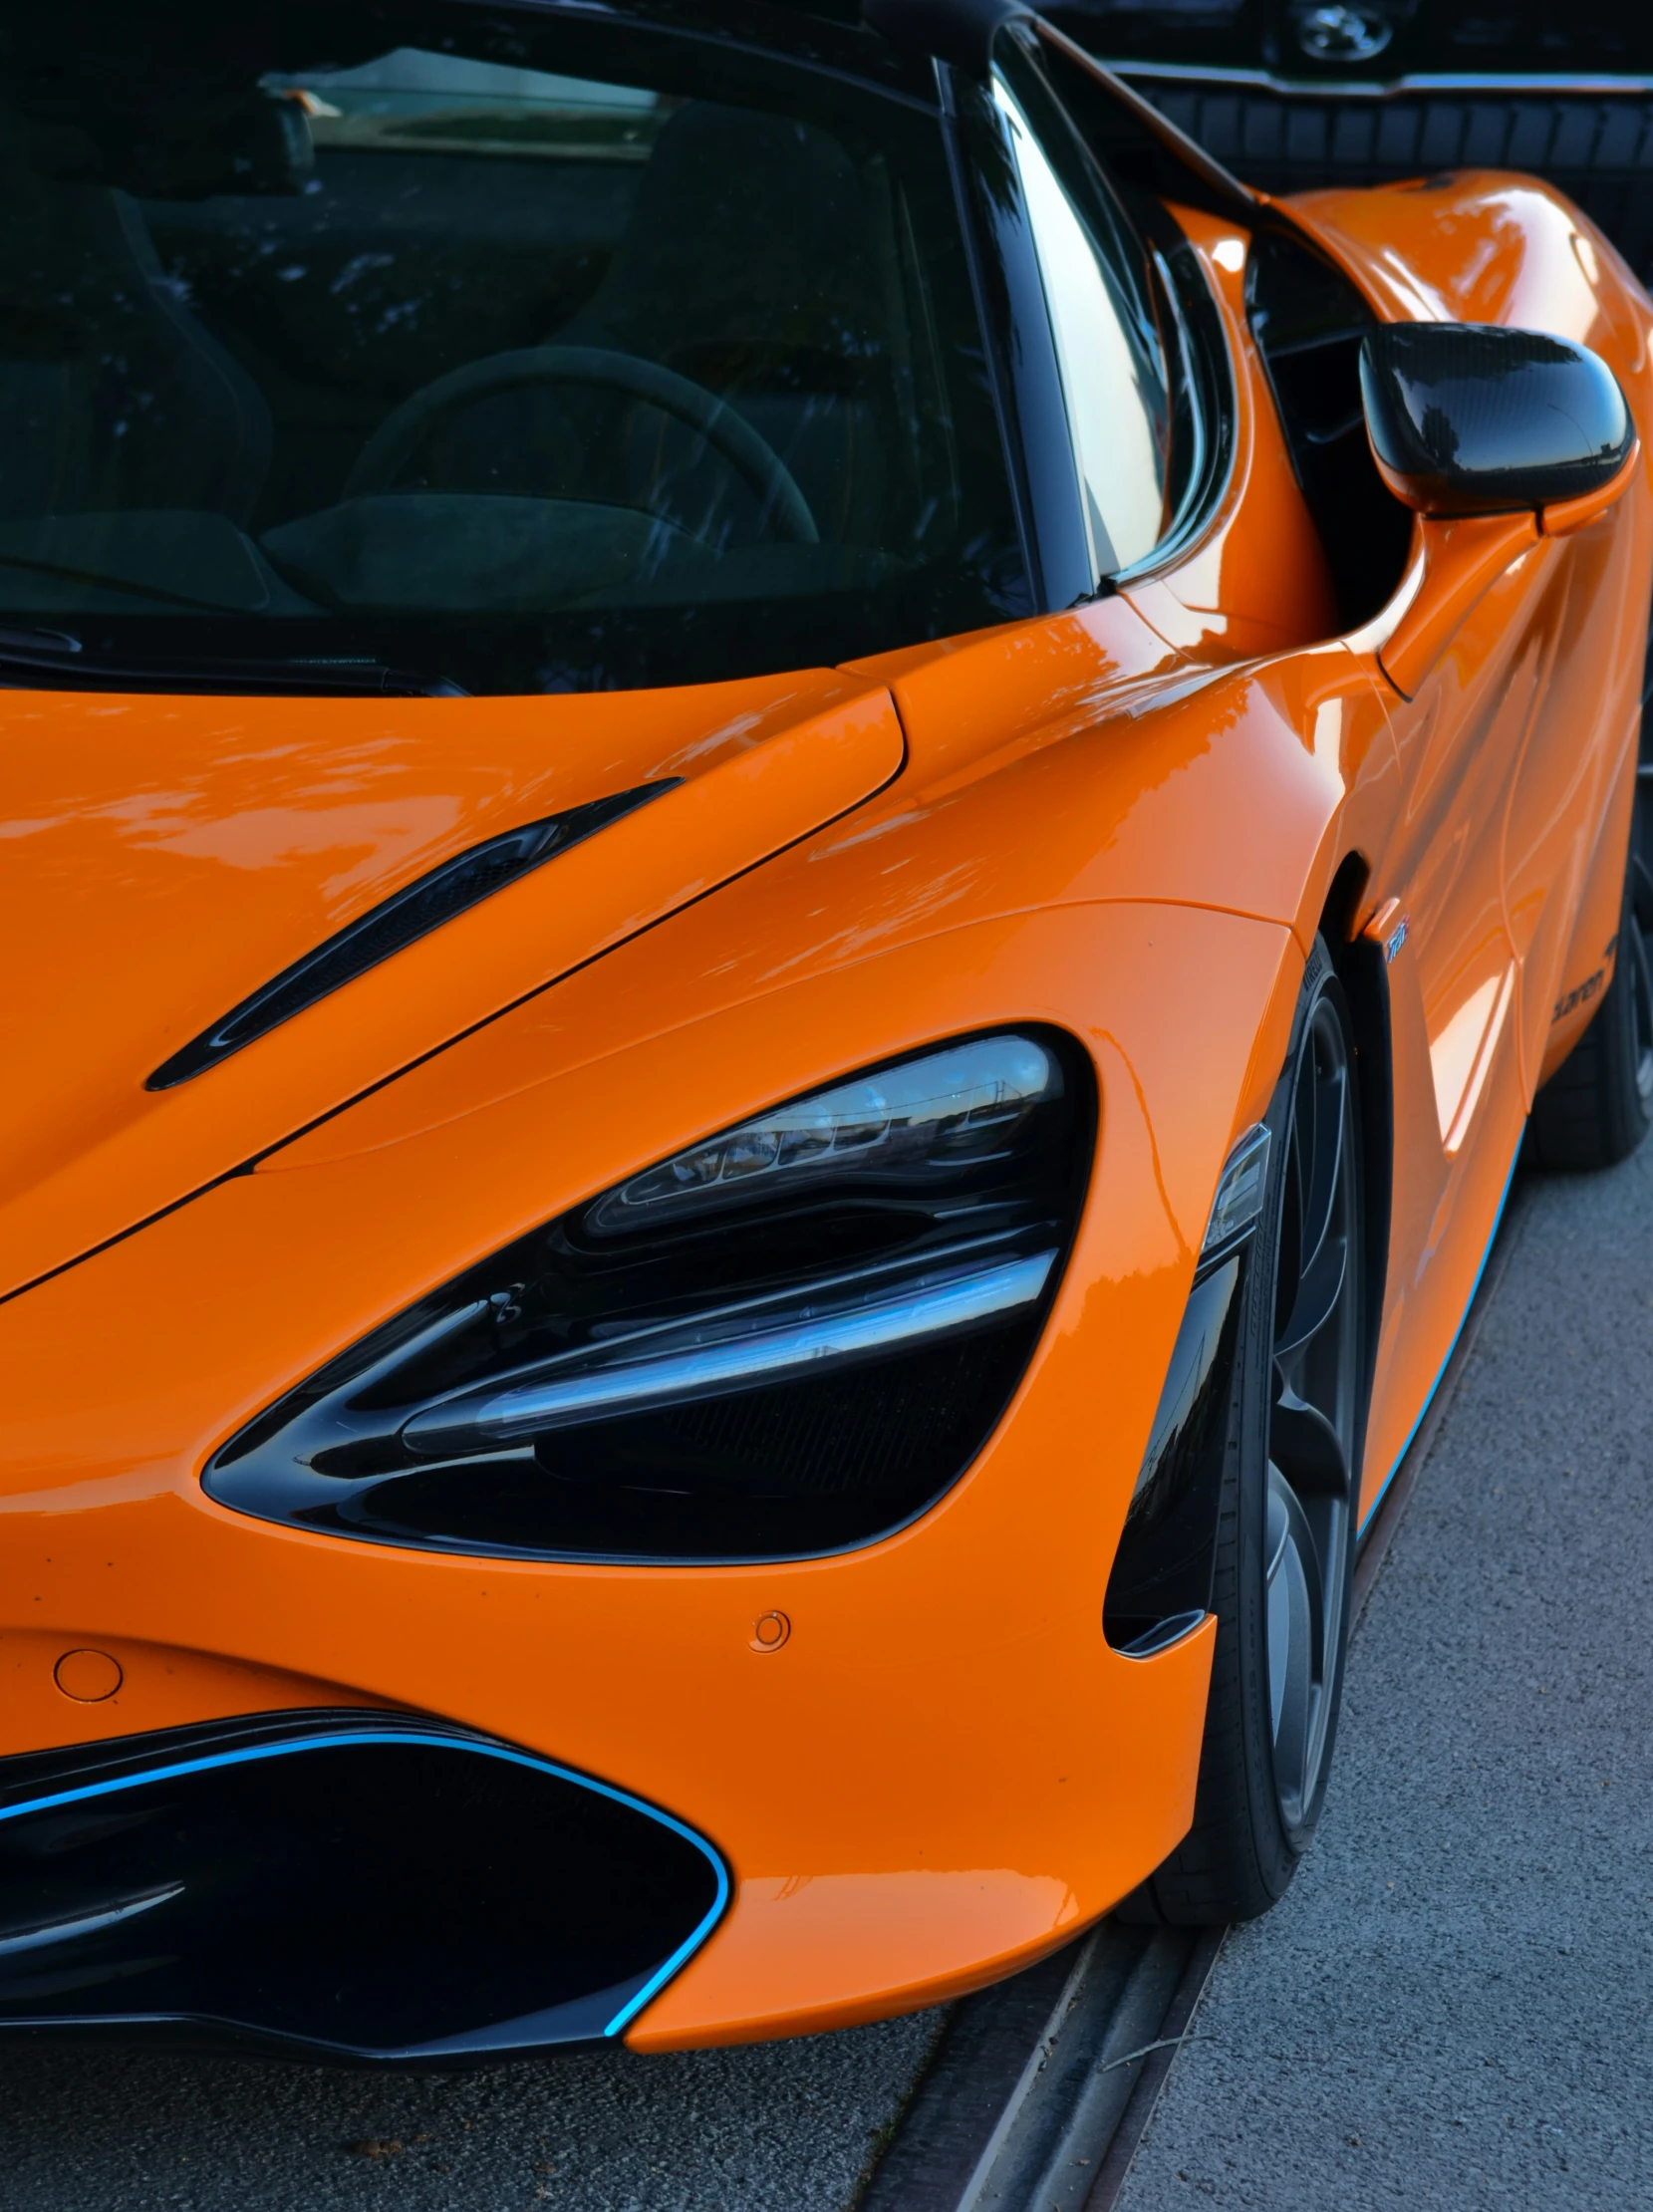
<point x="1388" y="928"/>
<point x="1579" y="995"/>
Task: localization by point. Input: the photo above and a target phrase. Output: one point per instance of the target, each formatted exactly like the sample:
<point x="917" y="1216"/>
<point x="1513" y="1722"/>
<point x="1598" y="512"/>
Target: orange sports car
<point x="792" y="836"/>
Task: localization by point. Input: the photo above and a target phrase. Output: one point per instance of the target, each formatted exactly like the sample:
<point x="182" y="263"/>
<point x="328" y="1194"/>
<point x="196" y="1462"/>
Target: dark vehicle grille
<point x="1598" y="146"/>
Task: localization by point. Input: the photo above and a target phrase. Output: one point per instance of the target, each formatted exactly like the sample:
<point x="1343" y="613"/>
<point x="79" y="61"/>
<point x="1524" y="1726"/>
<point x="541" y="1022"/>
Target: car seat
<point x="746" y="266"/>
<point x="112" y="395"/>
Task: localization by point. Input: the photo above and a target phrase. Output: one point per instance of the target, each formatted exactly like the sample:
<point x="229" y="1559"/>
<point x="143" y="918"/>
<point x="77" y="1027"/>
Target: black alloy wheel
<point x="1314" y="1418"/>
<point x="1287" y="1520"/>
<point x="1597" y="1107"/>
<point x="1641" y="1002"/>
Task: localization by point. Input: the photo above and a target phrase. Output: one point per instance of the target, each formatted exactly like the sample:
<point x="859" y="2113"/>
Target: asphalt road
<point x="1450" y="2008"/>
<point x="778" y="2127"/>
<point x="1453" y="2006"/>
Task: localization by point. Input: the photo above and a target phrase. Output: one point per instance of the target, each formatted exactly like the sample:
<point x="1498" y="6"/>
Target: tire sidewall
<point x="1279" y="1847"/>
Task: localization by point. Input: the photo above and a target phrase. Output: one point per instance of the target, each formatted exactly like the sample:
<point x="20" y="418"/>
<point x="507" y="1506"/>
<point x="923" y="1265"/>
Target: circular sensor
<point x="88" y="1676"/>
<point x="770" y="1631"/>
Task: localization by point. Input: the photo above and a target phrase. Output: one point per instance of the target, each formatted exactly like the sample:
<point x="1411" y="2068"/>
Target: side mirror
<point x="1474" y="420"/>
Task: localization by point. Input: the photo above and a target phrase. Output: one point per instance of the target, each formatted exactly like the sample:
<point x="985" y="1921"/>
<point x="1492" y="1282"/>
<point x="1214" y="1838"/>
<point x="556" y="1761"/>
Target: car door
<point x="1566" y="827"/>
<point x="1459" y="740"/>
<point x="1439" y="894"/>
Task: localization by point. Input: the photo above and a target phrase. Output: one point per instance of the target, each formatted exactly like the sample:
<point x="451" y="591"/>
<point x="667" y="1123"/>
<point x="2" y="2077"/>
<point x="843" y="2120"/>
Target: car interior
<point x="439" y="334"/>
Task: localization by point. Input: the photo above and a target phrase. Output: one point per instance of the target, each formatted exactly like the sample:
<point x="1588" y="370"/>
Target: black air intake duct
<point x="346" y="1885"/>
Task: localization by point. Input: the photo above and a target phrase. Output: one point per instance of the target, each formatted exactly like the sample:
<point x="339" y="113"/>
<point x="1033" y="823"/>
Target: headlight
<point x="787" y="1339"/>
<point x="945" y="1109"/>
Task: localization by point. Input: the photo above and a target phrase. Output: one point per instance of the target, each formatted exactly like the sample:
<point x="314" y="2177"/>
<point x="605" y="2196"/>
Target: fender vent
<point x="414" y="911"/>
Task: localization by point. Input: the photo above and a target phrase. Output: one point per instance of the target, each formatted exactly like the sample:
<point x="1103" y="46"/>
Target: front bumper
<point x="940" y="1768"/>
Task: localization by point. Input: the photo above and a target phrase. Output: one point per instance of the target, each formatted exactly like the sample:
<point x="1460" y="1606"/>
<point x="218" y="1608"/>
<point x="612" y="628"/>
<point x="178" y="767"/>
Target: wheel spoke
<point x="1323" y="1182"/>
<point x="1277" y="1584"/>
<point x="1641" y="993"/>
<point x="1307" y="1448"/>
<point x="1320" y="1293"/>
<point x="1301" y="1540"/>
<point x="1315" y="1354"/>
<point x="1295" y="1628"/>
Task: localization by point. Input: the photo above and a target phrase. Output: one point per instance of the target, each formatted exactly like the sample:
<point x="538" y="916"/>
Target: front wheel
<point x="1286" y="1525"/>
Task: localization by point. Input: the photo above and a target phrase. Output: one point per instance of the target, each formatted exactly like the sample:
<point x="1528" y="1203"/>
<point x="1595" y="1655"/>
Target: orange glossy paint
<point x="1129" y="820"/>
<point x="1455" y="562"/>
<point x="984" y="1617"/>
<point x="1258" y="580"/>
<point x="60" y="1690"/>
<point x="212" y="843"/>
<point x="1564" y="516"/>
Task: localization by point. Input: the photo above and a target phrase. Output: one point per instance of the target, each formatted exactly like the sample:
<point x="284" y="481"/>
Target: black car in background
<point x="1291" y="94"/>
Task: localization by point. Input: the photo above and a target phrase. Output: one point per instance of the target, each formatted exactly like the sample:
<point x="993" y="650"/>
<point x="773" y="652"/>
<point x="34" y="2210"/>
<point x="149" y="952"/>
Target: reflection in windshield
<point x="555" y="357"/>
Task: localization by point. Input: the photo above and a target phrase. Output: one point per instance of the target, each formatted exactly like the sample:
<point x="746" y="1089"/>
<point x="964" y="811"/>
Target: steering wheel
<point x="752" y="458"/>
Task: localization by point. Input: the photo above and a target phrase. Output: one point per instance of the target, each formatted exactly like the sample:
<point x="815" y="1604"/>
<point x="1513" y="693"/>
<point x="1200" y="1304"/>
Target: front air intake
<point x="338" y="1885"/>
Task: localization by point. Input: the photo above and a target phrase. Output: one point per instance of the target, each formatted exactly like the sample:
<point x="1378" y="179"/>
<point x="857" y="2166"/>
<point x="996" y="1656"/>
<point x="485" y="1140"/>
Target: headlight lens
<point x="942" y="1110"/>
<point x="787" y="1339"/>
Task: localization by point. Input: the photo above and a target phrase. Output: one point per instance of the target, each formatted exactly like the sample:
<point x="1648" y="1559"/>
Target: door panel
<point x="1453" y="983"/>
<point x="1566" y="782"/>
<point x="1461" y="742"/>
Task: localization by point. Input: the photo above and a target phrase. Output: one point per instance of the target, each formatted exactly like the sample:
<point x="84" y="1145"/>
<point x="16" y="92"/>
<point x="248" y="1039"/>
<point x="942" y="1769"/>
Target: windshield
<point x="526" y="351"/>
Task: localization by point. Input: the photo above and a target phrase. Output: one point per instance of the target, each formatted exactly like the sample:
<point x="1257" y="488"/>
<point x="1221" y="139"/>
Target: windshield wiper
<point x="62" y="658"/>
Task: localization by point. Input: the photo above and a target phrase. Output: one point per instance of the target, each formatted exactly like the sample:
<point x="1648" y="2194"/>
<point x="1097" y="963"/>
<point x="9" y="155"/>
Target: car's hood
<point x="164" y="858"/>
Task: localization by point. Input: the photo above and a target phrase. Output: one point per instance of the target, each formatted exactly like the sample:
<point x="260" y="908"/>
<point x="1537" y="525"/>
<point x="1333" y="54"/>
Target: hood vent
<point x="412" y="913"/>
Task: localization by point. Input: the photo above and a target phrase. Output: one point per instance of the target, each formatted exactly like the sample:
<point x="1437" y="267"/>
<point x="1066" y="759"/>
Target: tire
<point x="1596" y="1109"/>
<point x="1286" y="1521"/>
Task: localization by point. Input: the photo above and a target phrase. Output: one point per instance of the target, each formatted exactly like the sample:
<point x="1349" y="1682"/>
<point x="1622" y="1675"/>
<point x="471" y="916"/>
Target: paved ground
<point x="1453" y="2007"/>
<point x="783" y="2127"/>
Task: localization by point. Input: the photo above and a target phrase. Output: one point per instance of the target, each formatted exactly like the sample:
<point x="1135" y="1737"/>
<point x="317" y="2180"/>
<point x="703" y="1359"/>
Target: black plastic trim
<point x="395" y="923"/>
<point x="957" y="31"/>
<point x="1162" y="1572"/>
<point x="1363" y="971"/>
<point x="1017" y="325"/>
<point x="1308" y="320"/>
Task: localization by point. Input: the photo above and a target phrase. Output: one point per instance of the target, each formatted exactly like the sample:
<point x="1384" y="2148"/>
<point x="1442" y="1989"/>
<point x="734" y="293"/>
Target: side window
<point x="1108" y="348"/>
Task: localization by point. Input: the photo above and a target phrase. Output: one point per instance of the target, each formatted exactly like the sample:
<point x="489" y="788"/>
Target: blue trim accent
<point x="345" y="1737"/>
<point x="1428" y="1394"/>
